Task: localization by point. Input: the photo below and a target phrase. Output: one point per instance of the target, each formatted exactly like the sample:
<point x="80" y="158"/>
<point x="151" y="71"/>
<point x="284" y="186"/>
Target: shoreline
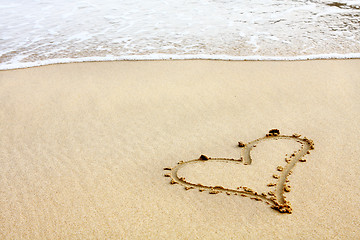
<point x="84" y="147"/>
<point x="175" y="57"/>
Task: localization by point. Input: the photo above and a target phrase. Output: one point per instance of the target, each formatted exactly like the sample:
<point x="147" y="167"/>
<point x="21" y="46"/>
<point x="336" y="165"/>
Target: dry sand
<point x="83" y="148"/>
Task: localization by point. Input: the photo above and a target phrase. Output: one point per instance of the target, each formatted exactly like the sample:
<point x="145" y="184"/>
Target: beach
<point x="84" y="147"/>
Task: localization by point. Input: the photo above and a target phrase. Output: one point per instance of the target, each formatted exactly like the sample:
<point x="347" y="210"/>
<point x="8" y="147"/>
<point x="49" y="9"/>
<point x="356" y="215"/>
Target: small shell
<point x="276" y="176"/>
<point x="172" y="181"/>
<point x="167" y="168"/>
<point x="271" y="184"/>
<point x="166" y="175"/>
<point x="280" y="168"/>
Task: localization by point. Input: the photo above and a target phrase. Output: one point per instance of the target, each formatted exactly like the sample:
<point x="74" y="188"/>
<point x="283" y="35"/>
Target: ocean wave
<point x="34" y="33"/>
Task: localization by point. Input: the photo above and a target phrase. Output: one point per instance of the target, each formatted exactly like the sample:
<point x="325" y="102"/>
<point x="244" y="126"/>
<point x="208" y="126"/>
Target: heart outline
<point x="277" y="199"/>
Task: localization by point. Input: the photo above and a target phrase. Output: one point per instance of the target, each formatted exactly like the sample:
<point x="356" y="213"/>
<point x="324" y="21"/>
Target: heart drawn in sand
<point x="275" y="197"/>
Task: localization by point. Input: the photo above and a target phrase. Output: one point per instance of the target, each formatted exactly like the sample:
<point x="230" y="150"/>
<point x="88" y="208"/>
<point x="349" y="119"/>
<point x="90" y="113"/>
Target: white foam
<point x="34" y="33"/>
<point x="153" y="57"/>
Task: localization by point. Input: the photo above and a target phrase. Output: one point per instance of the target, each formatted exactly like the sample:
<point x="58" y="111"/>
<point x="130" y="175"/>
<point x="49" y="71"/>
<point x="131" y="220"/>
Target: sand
<point x="83" y="147"/>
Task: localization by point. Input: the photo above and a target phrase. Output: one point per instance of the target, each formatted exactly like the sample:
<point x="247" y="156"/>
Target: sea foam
<point x="34" y="33"/>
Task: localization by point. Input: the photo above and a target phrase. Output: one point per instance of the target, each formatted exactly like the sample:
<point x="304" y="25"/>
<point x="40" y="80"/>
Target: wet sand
<point x="83" y="147"/>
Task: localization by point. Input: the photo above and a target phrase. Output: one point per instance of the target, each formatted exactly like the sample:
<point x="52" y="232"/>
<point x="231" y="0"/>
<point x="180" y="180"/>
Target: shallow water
<point x="40" y="32"/>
